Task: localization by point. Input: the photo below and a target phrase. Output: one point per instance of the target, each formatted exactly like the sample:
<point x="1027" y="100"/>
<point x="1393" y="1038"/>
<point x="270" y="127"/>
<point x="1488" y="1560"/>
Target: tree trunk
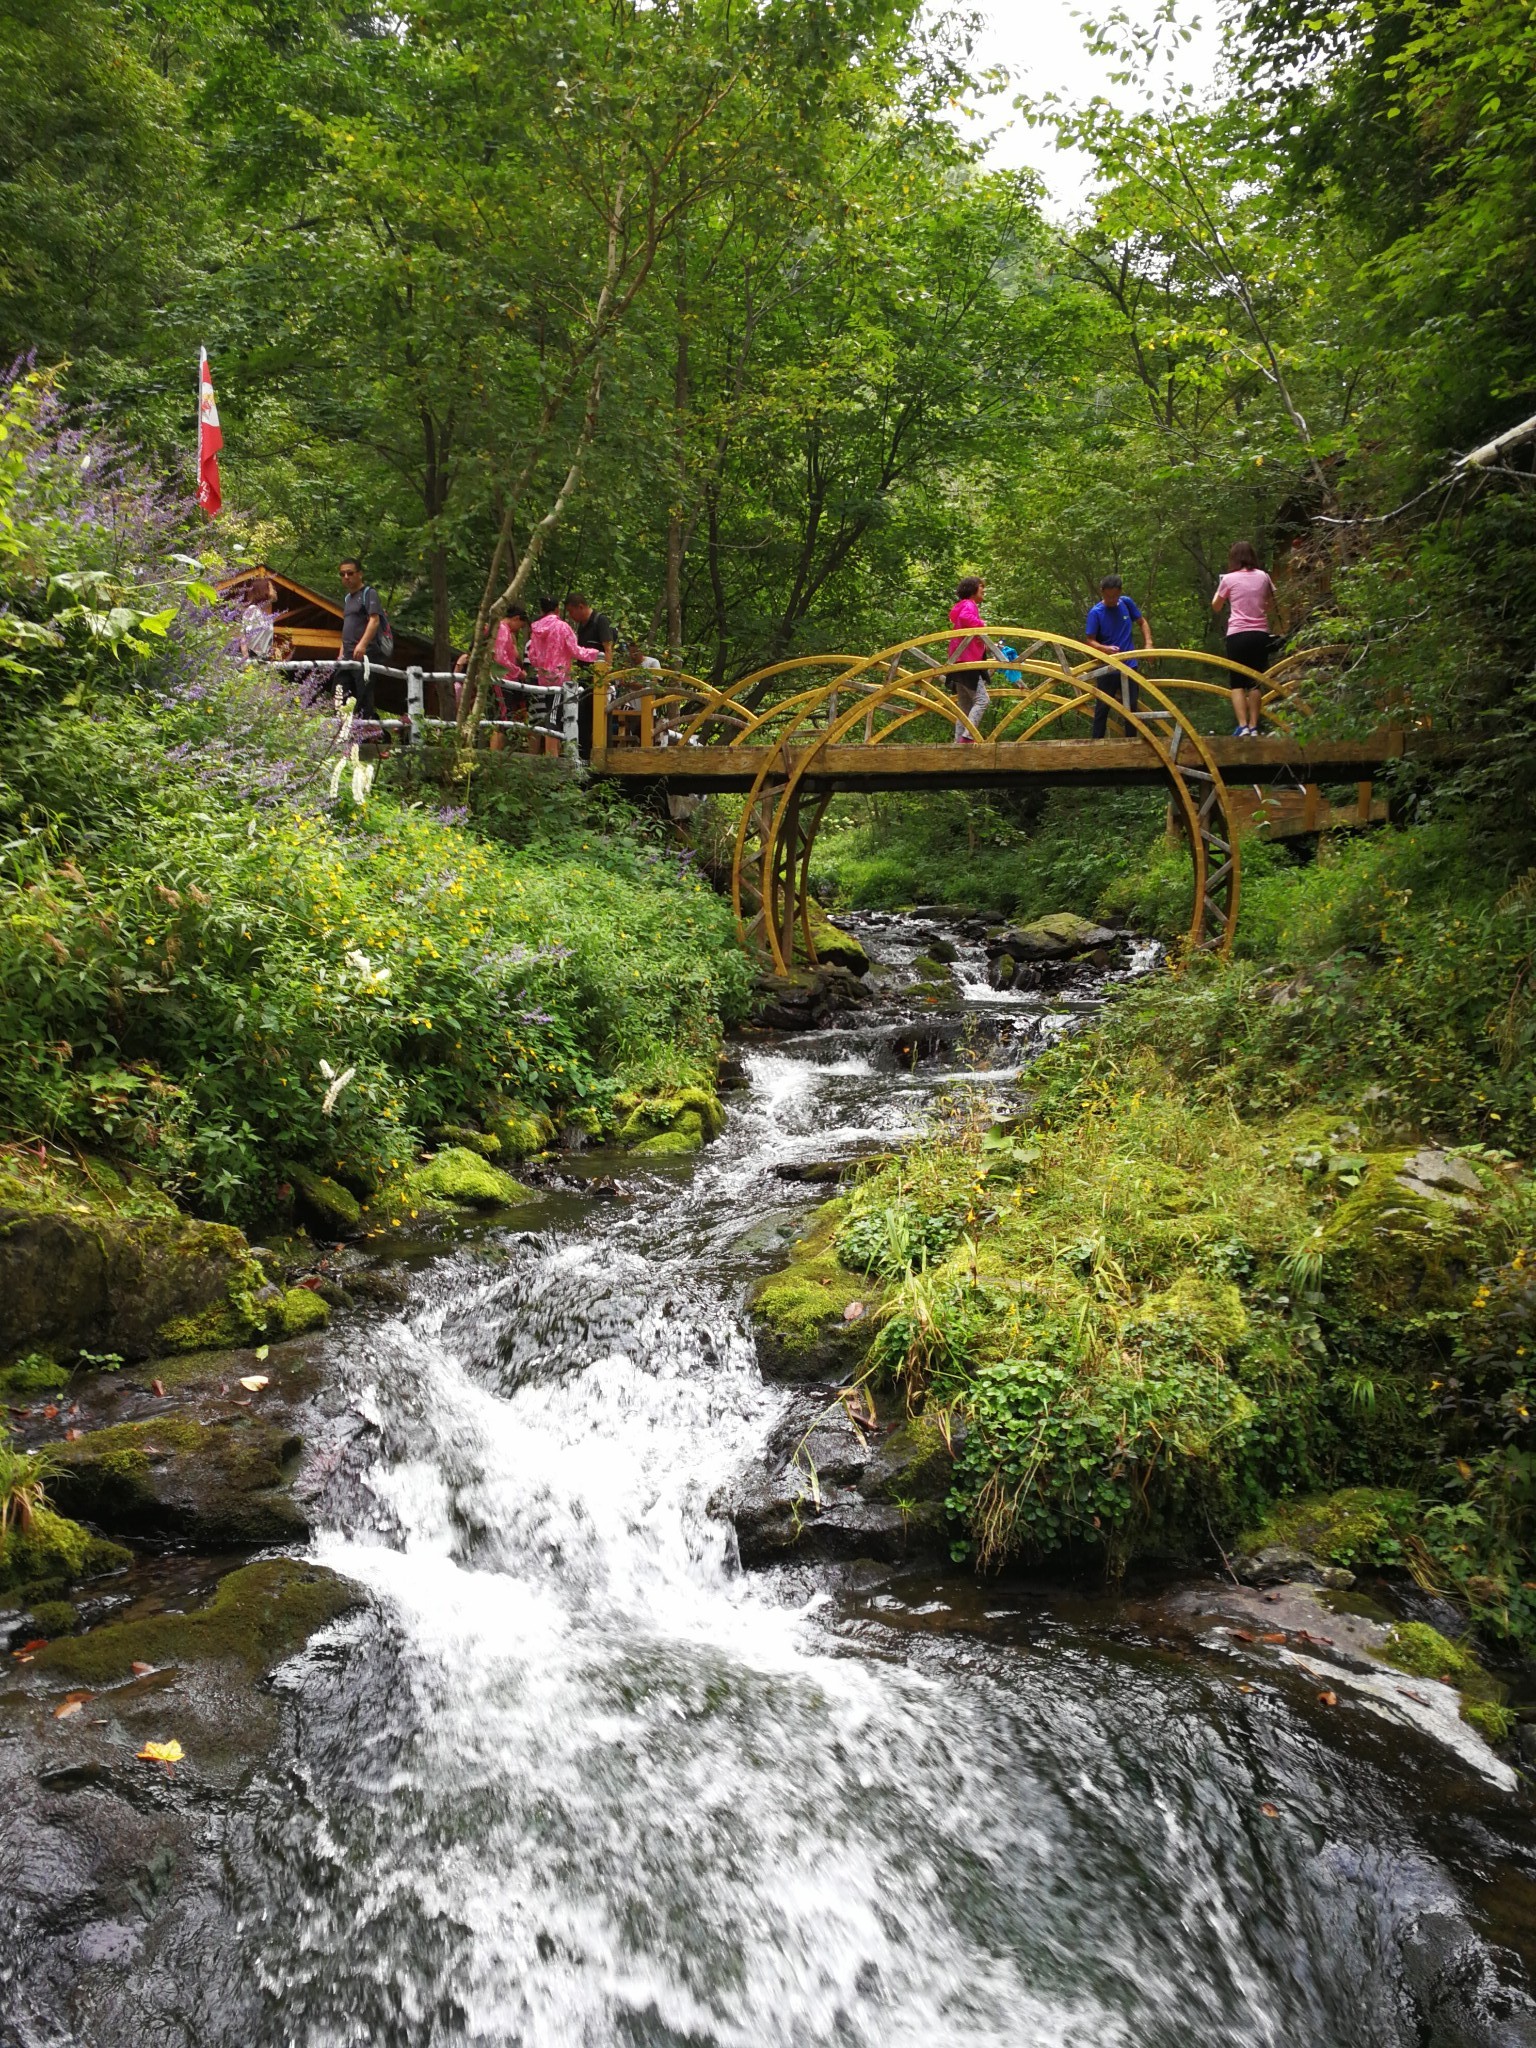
<point x="676" y="535"/>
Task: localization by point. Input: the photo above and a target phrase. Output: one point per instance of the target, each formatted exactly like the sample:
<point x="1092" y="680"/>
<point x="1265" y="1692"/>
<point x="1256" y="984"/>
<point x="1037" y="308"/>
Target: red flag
<point x="210" y="439"/>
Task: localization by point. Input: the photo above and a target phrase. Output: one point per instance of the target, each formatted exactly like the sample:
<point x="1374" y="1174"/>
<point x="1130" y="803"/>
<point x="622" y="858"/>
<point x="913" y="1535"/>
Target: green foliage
<point x="892" y="1241"/>
<point x="215" y="972"/>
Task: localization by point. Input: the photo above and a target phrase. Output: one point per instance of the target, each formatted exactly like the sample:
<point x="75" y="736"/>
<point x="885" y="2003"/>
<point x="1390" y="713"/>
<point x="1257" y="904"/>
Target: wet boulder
<point x="808" y="998"/>
<point x="324" y="1205"/>
<point x="837" y="948"/>
<point x="221" y="1483"/>
<point x="128" y="1284"/>
<point x="813" y="1320"/>
<point x="1061" y="936"/>
<point x="840" y="1484"/>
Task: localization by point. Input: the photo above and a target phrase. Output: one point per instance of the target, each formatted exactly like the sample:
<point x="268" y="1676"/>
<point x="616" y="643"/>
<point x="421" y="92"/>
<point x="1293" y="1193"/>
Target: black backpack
<point x="383" y="642"/>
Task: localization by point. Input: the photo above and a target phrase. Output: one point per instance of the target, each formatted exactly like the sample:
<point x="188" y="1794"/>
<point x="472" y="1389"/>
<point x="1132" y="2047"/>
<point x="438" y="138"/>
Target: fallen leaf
<point x="139" y="1668"/>
<point x="1241" y="1635"/>
<point x="262" y="1350"/>
<point x="71" y="1703"/>
<point x="73" y="1436"/>
<point x="160" y="1753"/>
<point x="1328" y="1699"/>
<point x="854" y="1312"/>
<point x="37" y="1643"/>
<point x="1270" y="1812"/>
<point x="50" y="1411"/>
<point x="158" y="1386"/>
<point x="254" y="1382"/>
<point x="1276" y="1635"/>
<point x="1245" y="1688"/>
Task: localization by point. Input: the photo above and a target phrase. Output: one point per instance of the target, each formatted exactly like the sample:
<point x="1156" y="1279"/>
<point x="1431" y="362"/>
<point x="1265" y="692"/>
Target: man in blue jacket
<point x="1111" y="628"/>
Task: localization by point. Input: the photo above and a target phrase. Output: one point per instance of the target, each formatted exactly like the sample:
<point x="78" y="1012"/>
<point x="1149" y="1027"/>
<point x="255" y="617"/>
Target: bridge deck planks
<point x="991" y="764"/>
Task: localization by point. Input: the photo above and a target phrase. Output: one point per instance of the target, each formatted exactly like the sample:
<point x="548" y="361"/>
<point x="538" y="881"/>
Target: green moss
<point x="33" y="1374"/>
<point x="928" y="969"/>
<point x="798" y="1313"/>
<point x="670" y="1144"/>
<point x="692" y="1112"/>
<point x="1390" y="1249"/>
<point x="55" y="1617"/>
<point x="1208" y="1314"/>
<point x="1415" y="1647"/>
<point x="221" y="1327"/>
<point x="1360" y="1527"/>
<point x="222" y="1482"/>
<point x="50" y="1553"/>
<point x="300" y="1311"/>
<point x="325" y="1204"/>
<point x="836" y="948"/>
<point x="467" y="1181"/>
<point x="485" y="1143"/>
<point x="520" y="1132"/>
<point x="256" y="1618"/>
<point x="1491" y="1718"/>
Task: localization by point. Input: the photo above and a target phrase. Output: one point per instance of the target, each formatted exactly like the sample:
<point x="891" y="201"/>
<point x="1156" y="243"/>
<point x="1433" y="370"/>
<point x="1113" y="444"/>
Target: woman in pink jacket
<point x="969" y="685"/>
<point x="1251" y="595"/>
<point x="552" y="649"/>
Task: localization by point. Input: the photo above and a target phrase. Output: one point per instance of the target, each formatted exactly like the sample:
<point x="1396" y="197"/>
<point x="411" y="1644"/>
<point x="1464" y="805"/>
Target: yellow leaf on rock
<point x="254" y="1382"/>
<point x="161" y="1753"/>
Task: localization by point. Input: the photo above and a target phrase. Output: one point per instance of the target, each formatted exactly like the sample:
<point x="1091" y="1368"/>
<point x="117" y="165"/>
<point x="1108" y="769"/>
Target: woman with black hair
<point x="1248" y="590"/>
<point x="968" y="684"/>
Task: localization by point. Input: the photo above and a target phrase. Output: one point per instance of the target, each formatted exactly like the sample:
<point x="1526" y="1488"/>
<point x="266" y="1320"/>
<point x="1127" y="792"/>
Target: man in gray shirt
<point x="361" y="618"/>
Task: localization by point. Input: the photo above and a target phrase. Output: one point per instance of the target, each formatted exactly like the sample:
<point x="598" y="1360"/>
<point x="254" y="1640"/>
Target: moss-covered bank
<point x="1155" y="1321"/>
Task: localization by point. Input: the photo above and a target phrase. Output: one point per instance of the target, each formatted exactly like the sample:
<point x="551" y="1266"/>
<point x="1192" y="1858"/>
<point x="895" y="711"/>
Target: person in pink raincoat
<point x="553" y="648"/>
<point x="968" y="685"/>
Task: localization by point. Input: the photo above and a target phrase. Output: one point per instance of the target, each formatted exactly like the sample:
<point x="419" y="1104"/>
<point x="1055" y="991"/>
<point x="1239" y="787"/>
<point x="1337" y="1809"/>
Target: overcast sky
<point x="1041" y="44"/>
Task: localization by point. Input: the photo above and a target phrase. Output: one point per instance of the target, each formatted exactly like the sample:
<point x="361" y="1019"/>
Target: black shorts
<point x="1251" y="649"/>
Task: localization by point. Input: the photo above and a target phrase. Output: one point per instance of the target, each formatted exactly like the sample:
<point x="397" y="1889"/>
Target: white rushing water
<point x="586" y="1783"/>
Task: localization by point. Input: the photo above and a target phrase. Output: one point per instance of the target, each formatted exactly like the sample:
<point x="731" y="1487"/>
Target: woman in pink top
<point x="1252" y="597"/>
<point x="969" y="685"/>
<point x="552" y="648"/>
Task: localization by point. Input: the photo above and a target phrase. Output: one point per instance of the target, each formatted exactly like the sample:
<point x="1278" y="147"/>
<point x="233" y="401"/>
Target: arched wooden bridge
<point x="790" y="736"/>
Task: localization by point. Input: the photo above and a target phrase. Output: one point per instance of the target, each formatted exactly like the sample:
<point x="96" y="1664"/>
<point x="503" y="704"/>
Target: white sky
<point x="1041" y="44"/>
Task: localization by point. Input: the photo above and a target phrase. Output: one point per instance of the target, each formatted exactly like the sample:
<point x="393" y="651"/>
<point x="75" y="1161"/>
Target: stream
<point x="574" y="1779"/>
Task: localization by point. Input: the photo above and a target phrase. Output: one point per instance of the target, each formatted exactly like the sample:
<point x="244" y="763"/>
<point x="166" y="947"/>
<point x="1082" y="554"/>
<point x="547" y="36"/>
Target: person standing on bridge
<point x="969" y="685"/>
<point x="1111" y="627"/>
<point x="1247" y="588"/>
<point x="552" y="648"/>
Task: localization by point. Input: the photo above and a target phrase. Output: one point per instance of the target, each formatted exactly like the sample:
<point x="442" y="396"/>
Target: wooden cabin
<point x="307" y="626"/>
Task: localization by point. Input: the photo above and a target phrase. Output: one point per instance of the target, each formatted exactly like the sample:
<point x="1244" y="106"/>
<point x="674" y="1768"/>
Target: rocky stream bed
<point x="553" y="1658"/>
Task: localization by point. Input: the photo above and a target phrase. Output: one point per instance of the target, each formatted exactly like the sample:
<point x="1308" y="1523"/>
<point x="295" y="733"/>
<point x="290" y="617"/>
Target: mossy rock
<point x="926" y="968"/>
<point x="670" y="1145"/>
<point x="464" y="1180"/>
<point x="1205" y="1315"/>
<point x="75" y="1282"/>
<point x="1421" y="1651"/>
<point x="51" y="1553"/>
<point x="299" y="1311"/>
<point x="837" y="948"/>
<point x="914" y="1464"/>
<point x="693" y="1113"/>
<point x="485" y="1143"/>
<point x="329" y="1209"/>
<point x="799" y="1314"/>
<point x="520" y="1133"/>
<point x="216" y="1483"/>
<point x="257" y="1617"/>
<point x="1360" y="1528"/>
<point x="55" y="1617"/>
<point x="1392" y="1248"/>
<point x="33" y="1374"/>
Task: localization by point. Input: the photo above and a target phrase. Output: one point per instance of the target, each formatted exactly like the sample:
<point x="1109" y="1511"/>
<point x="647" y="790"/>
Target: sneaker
<point x="1239" y="732"/>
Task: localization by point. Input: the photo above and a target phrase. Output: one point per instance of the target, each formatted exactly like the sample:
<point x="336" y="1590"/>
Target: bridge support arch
<point x="799" y="772"/>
